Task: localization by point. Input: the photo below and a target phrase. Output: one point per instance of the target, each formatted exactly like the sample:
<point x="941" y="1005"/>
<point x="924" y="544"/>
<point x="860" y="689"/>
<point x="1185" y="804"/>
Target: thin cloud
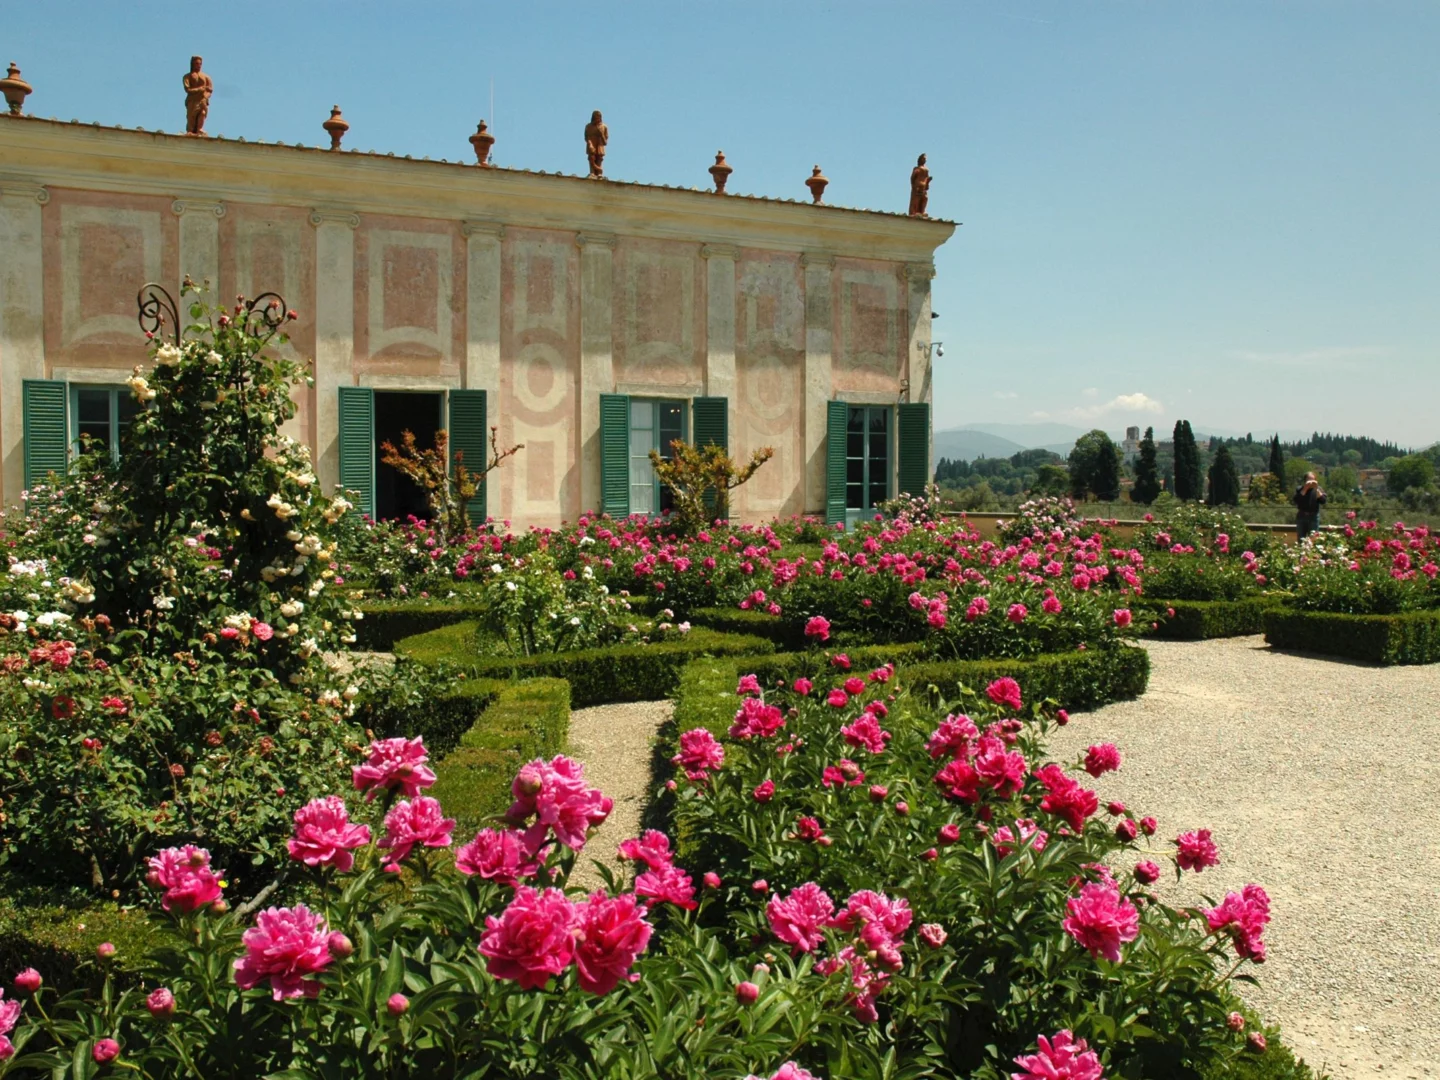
<point x="1336" y="356"/>
<point x="1090" y="392"/>
<point x="1121" y="403"/>
<point x="1039" y="414"/>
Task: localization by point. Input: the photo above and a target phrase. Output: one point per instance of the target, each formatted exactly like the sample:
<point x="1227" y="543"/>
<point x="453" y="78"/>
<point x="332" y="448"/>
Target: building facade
<point x="590" y="320"/>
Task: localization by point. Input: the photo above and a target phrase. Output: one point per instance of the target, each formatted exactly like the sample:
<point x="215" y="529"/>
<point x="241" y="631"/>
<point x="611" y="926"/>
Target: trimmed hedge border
<point x="1412" y="637"/>
<point x="524" y="720"/>
<point x="605" y="676"/>
<point x="1199" y="620"/>
<point x="785" y="633"/>
<point x="60" y="940"/>
<point x="387" y="621"/>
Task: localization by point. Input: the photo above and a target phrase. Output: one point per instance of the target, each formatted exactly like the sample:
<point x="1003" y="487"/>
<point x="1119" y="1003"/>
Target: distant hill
<point x="967" y="444"/>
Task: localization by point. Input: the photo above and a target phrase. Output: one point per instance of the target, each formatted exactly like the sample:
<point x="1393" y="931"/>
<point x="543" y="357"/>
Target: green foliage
<point x="1224" y="481"/>
<point x="1095" y="466"/>
<point x="60" y="940"/>
<point x="384" y="622"/>
<point x="531" y="607"/>
<point x="1196" y="577"/>
<point x="785" y="633"/>
<point x="1267" y="488"/>
<point x="436" y="701"/>
<point x="1188" y="467"/>
<point x="519" y="722"/>
<point x="1277" y="458"/>
<point x="1147" y="472"/>
<point x="1295" y="470"/>
<point x="1051" y="480"/>
<point x="1200" y="620"/>
<point x="1412" y="471"/>
<point x="1411" y="637"/>
<point x="700" y="479"/>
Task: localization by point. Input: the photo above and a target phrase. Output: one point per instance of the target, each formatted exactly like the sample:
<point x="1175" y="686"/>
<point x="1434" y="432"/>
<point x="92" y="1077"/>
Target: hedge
<point x="785" y="633"/>
<point x="386" y="622"/>
<point x="1411" y="637"/>
<point x="60" y="941"/>
<point x="596" y="676"/>
<point x="1198" y="620"/>
<point x="525" y="720"/>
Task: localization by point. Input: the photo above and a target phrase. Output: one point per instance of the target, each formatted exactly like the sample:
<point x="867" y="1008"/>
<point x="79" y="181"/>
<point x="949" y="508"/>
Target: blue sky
<point x="1228" y="212"/>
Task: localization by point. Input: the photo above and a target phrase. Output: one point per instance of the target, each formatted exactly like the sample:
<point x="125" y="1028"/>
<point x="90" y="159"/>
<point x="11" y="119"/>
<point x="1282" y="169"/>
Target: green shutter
<point x="469" y="441"/>
<point x="357" y="445"/>
<point x="615" y="455"/>
<point x="711" y="422"/>
<point x="913" y="424"/>
<point x="836" y="414"/>
<point x="46" y="445"/>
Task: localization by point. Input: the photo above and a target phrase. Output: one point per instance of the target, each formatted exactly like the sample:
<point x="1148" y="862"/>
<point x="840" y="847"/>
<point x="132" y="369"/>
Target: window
<point x="654" y="425"/>
<point x="867" y="456"/>
<point x="100" y="416"/>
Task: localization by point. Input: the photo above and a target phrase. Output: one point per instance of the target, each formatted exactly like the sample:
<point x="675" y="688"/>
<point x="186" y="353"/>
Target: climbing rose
<point x="866" y="734"/>
<point x="699" y="754"/>
<point x="1195" y="851"/>
<point x="610" y="933"/>
<point x="797" y="919"/>
<point x="533" y="939"/>
<point x="837" y="699"/>
<point x="499" y="855"/>
<point x="396" y="764"/>
<point x="1122" y="617"/>
<point x="953" y="737"/>
<point x="185" y="875"/>
<point x="1102" y="759"/>
<point x="554" y="792"/>
<point x="410" y="823"/>
<point x="653" y="849"/>
<point x="286" y="946"/>
<point x="1005" y="692"/>
<point x="756" y="720"/>
<point x="818" y="627"/>
<point x="324" y="835"/>
<point x="1062" y="1058"/>
<point x="670" y="885"/>
<point x="1244" y="915"/>
<point x="1101" y="919"/>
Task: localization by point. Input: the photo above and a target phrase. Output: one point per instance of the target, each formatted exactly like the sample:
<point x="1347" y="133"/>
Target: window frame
<point x="656" y="487"/>
<point x="868" y="507"/>
<point x="72" y="418"/>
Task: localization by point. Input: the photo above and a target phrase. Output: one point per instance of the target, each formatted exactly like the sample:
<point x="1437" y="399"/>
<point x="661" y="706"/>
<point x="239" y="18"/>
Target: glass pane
<point x="856" y="421"/>
<point x="855" y="444"/>
<point x="855" y="471"/>
<point x="877" y="494"/>
<point x="99" y="432"/>
<point x="855" y="496"/>
<point x="92" y="406"/>
<point x="126" y="406"/>
<point x="672" y="426"/>
<point x="879" y="419"/>
<point x="642" y="415"/>
<point x="879" y="445"/>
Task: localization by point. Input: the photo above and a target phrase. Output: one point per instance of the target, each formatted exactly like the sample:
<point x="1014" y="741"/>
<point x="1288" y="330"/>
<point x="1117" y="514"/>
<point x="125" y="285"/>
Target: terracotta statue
<point x="197" y="97"/>
<point x="919" y="188"/>
<point x="596" y="136"/>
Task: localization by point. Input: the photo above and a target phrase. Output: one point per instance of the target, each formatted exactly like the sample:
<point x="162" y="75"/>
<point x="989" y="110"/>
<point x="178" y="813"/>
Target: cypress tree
<point x="1187" y="463"/>
<point x="1147" y="473"/>
<point x="1224" y="480"/>
<point x="1277" y="458"/>
<point x="1105" y="480"/>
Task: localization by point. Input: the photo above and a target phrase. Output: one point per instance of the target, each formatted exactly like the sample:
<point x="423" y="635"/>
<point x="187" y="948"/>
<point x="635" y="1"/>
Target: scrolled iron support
<point x="267" y="310"/>
<point x="156" y="305"/>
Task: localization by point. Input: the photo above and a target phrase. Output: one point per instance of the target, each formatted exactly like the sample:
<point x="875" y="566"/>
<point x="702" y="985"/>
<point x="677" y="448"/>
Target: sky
<point x="1224" y="212"/>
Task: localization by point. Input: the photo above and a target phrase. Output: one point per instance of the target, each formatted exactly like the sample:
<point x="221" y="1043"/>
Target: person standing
<point x="1308" y="500"/>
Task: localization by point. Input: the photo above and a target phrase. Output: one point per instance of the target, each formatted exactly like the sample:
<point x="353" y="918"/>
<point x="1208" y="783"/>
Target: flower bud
<point x="28" y="980"/>
<point x="105" y="1050"/>
<point x="1147" y="873"/>
<point x="746" y="993"/>
<point x="1257" y="1042"/>
<point x="398" y="1005"/>
<point x="949" y="834"/>
<point x="1125" y="831"/>
<point x="902" y="808"/>
<point x="104" y="951"/>
<point x="1116" y="808"/>
<point x="1062" y="717"/>
<point x="761" y="886"/>
<point x="1235" y="1022"/>
<point x="879" y="792"/>
<point x="711" y="879"/>
<point x="933" y="934"/>
<point x="339" y="945"/>
<point x="1148" y="825"/>
<point x="931" y="855"/>
<point x="161" y="1003"/>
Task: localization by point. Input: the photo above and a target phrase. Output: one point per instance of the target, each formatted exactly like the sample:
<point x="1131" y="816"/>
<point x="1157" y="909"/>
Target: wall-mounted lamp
<point x="935" y="349"/>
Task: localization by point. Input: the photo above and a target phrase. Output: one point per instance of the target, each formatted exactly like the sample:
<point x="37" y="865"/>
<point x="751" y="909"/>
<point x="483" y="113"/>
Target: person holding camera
<point x="1308" y="500"/>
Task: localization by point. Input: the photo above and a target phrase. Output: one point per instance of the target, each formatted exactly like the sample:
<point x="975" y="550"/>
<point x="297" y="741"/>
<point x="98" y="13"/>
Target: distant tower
<point x="1130" y="448"/>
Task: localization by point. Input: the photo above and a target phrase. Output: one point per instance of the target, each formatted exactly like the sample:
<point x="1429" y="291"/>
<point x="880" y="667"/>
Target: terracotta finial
<point x="482" y="141"/>
<point x="337" y="125"/>
<point x="198" y="89"/>
<point x="597" y="137"/>
<point x="720" y="171"/>
<point x="15" y="89"/>
<point x="919" y="188"/>
<point x="816" y="184"/>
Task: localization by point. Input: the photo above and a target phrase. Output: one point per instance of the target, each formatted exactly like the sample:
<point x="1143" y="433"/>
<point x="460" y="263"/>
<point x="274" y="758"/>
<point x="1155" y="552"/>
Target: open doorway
<point x="396" y="495"/>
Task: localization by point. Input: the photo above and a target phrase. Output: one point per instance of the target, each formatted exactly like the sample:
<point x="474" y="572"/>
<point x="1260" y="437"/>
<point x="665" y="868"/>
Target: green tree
<point x="1277" y="458"/>
<point x="1147" y="472"/>
<point x="701" y="478"/>
<point x="1051" y="480"/>
<point x="1187" y="463"/>
<point x="1095" y="466"/>
<point x="1341" y="481"/>
<point x="1413" y="471"/>
<point x="1105" y="481"/>
<point x="1295" y="470"/>
<point x="1224" y="480"/>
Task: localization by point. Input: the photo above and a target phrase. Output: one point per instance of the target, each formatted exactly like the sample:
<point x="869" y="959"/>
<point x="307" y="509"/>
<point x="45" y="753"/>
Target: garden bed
<point x="1200" y="620"/>
<point x="1411" y="637"/>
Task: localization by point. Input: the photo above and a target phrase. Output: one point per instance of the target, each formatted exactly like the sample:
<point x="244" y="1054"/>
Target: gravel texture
<point x="615" y="743"/>
<point x="1320" y="780"/>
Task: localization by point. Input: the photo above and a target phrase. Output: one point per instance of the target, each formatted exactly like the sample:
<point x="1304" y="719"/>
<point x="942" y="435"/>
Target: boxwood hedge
<point x="1198" y="620"/>
<point x="1412" y="637"/>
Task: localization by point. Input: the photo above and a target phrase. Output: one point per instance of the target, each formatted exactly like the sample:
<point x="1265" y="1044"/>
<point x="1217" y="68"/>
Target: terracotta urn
<point x="482" y="141"/>
<point x="15" y="89"/>
<point x="816" y="184"/>
<point x="720" y="171"/>
<point x="337" y="125"/>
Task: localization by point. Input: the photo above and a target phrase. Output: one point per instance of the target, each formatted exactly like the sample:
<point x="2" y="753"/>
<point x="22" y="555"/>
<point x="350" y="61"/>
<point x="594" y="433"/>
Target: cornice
<point x="181" y="207"/>
<point x="335" y="217"/>
<point x="22" y="188"/>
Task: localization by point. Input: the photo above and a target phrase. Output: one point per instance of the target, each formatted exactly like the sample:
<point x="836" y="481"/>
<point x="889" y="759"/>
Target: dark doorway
<point x="396" y="495"/>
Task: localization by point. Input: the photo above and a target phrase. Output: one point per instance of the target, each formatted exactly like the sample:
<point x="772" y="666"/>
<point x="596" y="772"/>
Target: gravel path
<point x="1321" y="782"/>
<point x="614" y="742"/>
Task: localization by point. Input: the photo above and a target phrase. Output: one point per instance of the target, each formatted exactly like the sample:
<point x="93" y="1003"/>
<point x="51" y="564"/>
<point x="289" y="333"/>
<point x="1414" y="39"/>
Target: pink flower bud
<point x="1062" y="717"/>
<point x="1147" y="873"/>
<point x="1257" y="1042"/>
<point x="879" y="792"/>
<point x="161" y="1003"/>
<point x="105" y="1050"/>
<point x="398" y="1005"/>
<point x="104" y="951"/>
<point x="1235" y="1022"/>
<point x="931" y="855"/>
<point x="1148" y="825"/>
<point x="1116" y="808"/>
<point x="902" y="808"/>
<point x="711" y="879"/>
<point x="746" y="993"/>
<point x="28" y="980"/>
<point x="949" y="834"/>
<point x="339" y="945"/>
<point x="933" y="934"/>
<point x="670" y="785"/>
<point x="1125" y="831"/>
<point x="761" y="886"/>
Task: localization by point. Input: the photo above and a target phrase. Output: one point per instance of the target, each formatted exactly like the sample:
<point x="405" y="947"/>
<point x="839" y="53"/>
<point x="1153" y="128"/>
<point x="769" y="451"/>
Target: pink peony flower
<point x="499" y="855"/>
<point x="808" y="828"/>
<point x="610" y="933"/>
<point x="1004" y="771"/>
<point x="960" y="781"/>
<point x="1051" y="605"/>
<point x="1102" y="759"/>
<point x="932" y="934"/>
<point x="324" y="835"/>
<point x="879" y="921"/>
<point x="1101" y="919"/>
<point x="854" y="686"/>
<point x="797" y="919"/>
<point x="161" y="1003"/>
<point x="1062" y="1058"/>
<point x="818" y="627"/>
<point x="105" y="1050"/>
<point x="669" y="885"/>
<point x="286" y="946"/>
<point x="1016" y="613"/>
<point x="1065" y="797"/>
<point x="1030" y="835"/>
<point x="788" y="1071"/>
<point x="756" y="720"/>
<point x="764" y="791"/>
<point x="866" y="734"/>
<point x="397" y="1005"/>
<point x="1243" y="915"/>
<point x="749" y="686"/>
<point x="1122" y="617"/>
<point x="1147" y="873"/>
<point x="1005" y="692"/>
<point x="699" y="754"/>
<point x="554" y="793"/>
<point x="711" y="879"/>
<point x="653" y="849"/>
<point x="803" y="686"/>
<point x="837" y="699"/>
<point x="185" y="875"/>
<point x="1195" y="851"/>
<point x="394" y="764"/>
<point x="532" y="940"/>
<point x="410" y="823"/>
<point x="9" y="1015"/>
<point x="28" y="981"/>
<point x="954" y="737"/>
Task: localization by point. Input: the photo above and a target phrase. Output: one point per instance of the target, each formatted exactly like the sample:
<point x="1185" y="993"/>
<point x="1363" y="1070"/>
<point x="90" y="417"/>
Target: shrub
<point x="1199" y="620"/>
<point x="785" y="633"/>
<point x="384" y="622"/>
<point x="1147" y="472"/>
<point x="436" y="701"/>
<point x="61" y="939"/>
<point x="1411" y="637"/>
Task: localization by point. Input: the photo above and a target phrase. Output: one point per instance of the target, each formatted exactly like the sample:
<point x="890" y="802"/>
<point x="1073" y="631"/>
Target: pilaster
<point x="597" y="370"/>
<point x="334" y="333"/>
<point x="199" y="245"/>
<point x="720" y="329"/>
<point x="22" y="321"/>
<point x="482" y="308"/>
<point x="917" y="279"/>
<point x="819" y="338"/>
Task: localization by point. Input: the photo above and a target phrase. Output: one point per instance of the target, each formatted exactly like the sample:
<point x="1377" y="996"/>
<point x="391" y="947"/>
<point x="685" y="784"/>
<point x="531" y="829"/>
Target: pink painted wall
<point x="658" y="323"/>
<point x="409" y="297"/>
<point x="871" y="327"/>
